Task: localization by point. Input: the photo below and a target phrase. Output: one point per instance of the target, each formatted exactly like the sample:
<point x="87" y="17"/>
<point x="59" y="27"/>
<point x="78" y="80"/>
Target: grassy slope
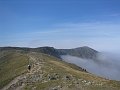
<point x="12" y="64"/>
<point x="54" y="66"/>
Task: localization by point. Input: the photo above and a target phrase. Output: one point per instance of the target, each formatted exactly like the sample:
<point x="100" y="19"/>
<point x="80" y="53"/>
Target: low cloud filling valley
<point x="107" y="65"/>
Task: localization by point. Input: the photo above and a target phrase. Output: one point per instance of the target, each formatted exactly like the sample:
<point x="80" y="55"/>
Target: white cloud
<point x="100" y="36"/>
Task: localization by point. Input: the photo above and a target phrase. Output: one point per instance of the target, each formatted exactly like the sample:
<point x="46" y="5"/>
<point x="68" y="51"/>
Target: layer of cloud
<point x="107" y="66"/>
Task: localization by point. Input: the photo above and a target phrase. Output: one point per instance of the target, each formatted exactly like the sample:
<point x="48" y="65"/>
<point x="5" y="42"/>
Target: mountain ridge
<point x="82" y="52"/>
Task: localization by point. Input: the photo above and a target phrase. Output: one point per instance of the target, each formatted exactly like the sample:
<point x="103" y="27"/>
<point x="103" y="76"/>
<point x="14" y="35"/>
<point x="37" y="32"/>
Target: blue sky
<point x="60" y="23"/>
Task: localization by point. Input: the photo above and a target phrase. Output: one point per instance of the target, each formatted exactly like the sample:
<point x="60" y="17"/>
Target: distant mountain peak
<point x="82" y="52"/>
<point x="84" y="47"/>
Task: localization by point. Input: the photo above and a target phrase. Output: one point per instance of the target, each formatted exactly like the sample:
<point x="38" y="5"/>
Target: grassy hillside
<point x="12" y="64"/>
<point x="59" y="75"/>
<point x="47" y="73"/>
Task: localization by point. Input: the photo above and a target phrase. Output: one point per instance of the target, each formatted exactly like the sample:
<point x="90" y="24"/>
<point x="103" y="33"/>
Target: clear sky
<point x="60" y="23"/>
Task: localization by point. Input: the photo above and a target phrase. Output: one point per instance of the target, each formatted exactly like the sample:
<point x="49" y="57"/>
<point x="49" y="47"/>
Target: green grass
<point x="11" y="65"/>
<point x="62" y="68"/>
<point x="53" y="65"/>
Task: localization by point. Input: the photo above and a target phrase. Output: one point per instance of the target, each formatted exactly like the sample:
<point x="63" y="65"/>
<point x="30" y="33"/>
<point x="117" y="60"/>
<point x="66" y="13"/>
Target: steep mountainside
<point x="48" y="50"/>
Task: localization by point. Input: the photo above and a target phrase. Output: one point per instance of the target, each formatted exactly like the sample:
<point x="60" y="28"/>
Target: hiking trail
<point x="34" y="75"/>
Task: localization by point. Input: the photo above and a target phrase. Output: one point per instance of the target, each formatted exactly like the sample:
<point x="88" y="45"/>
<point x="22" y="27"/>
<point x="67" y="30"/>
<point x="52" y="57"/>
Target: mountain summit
<point x="82" y="52"/>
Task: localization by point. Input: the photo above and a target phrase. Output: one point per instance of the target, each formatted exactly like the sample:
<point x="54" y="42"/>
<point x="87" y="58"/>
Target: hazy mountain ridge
<point x="82" y="52"/>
